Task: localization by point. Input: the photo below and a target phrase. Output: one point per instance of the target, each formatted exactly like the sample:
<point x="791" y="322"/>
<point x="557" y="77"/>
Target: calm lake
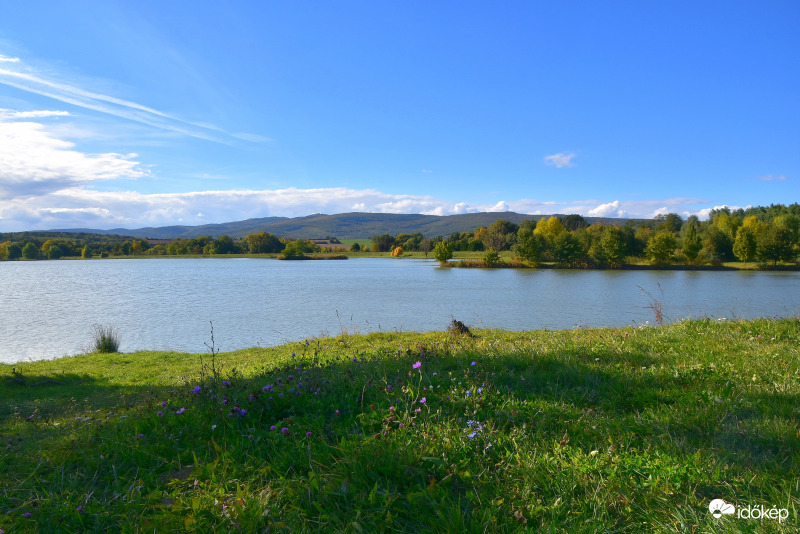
<point x="48" y="308"/>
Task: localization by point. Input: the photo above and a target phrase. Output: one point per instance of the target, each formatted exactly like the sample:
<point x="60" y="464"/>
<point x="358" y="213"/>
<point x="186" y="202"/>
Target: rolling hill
<point x="343" y="225"/>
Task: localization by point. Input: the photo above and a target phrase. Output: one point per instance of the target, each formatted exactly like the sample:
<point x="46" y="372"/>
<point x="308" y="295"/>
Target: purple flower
<point x="266" y="388"/>
<point x="469" y="393"/>
<point x="242" y="412"/>
<point x="163" y="404"/>
<point x="308" y="434"/>
<point x="26" y="514"/>
<point x="140" y="436"/>
<point x="79" y="509"/>
<point x="423" y="400"/>
<point x="181" y="411"/>
<point x="337" y="412"/>
<point x="285" y="431"/>
<point x="473" y="363"/>
<point x="273" y="427"/>
<point x="472" y="435"/>
<point x="417" y="365"/>
<point x="226" y="383"/>
<point x="196" y="390"/>
<point x="160" y="413"/>
<point x="417" y="410"/>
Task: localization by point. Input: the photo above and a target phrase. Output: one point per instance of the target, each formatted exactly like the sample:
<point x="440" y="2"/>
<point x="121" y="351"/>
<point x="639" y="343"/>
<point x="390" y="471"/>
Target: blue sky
<point x="145" y="113"/>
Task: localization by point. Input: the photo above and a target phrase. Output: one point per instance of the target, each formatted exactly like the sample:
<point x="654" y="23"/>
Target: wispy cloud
<point x="772" y="178"/>
<point x="69" y="93"/>
<point x="562" y="159"/>
<point x="8" y="59"/>
<point x="37" y="114"/>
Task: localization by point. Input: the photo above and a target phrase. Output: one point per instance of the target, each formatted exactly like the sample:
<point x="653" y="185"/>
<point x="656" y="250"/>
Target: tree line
<point x="767" y="235"/>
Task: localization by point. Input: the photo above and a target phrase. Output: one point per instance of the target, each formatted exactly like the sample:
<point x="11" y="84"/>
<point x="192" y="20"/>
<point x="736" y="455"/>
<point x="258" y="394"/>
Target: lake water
<point x="48" y="308"/>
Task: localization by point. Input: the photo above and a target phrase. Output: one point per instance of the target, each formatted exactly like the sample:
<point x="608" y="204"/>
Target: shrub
<point x="106" y="339"/>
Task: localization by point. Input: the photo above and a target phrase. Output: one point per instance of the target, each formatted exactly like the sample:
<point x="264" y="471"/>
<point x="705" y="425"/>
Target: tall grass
<point x="106" y="339"/>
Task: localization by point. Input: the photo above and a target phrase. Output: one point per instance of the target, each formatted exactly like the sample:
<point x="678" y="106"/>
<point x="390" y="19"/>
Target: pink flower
<point x="423" y="400"/>
<point x="417" y="365"/>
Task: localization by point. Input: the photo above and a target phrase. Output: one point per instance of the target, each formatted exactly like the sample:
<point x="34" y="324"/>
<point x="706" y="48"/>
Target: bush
<point x="106" y="339"/>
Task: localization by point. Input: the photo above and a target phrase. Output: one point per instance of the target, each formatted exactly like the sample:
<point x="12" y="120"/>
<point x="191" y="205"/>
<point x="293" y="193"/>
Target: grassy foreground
<point x="592" y="430"/>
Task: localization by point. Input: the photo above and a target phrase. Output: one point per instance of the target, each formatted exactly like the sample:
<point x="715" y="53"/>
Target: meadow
<point x="584" y="430"/>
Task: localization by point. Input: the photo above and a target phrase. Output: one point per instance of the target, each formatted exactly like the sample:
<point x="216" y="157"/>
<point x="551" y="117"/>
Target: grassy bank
<point x="592" y="430"/>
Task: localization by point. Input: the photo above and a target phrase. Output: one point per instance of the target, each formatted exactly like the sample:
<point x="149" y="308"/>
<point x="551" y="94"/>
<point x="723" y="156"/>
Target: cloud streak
<point x="110" y="105"/>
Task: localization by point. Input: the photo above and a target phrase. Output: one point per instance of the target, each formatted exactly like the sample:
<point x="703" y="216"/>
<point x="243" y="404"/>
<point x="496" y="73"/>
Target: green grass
<point x="590" y="430"/>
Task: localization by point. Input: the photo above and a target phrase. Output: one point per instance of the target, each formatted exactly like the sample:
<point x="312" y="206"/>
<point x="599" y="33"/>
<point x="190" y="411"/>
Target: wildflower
<point x="480" y="390"/>
<point x="473" y="363"/>
<point x="472" y="435"/>
<point x="242" y="411"/>
<point x="423" y="400"/>
<point x="226" y="383"/>
<point x="285" y="431"/>
<point x="273" y="427"/>
<point x="181" y="411"/>
<point x="163" y="404"/>
<point x="337" y="412"/>
<point x="293" y="355"/>
<point x="469" y="393"/>
<point x="196" y="390"/>
<point x="251" y="397"/>
<point x="417" y="410"/>
<point x="160" y="413"/>
<point x="308" y="434"/>
<point x="26" y="514"/>
<point x="140" y="435"/>
<point x="79" y="509"/>
<point x="417" y="365"/>
<point x="213" y="427"/>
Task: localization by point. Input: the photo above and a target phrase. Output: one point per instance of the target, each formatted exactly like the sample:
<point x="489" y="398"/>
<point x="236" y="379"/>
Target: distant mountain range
<point x="343" y="225"/>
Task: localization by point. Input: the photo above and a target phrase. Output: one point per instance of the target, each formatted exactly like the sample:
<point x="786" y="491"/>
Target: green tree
<point x="299" y="248"/>
<point x="613" y="246"/>
<point x="491" y="258"/>
<point x="669" y="222"/>
<point x="744" y="247"/>
<point x="355" y="247"/>
<point x="263" y="243"/>
<point x="528" y="247"/>
<point x="14" y="251"/>
<point x="443" y="251"/>
<point x="382" y="243"/>
<point x="568" y="250"/>
<point x="660" y="247"/>
<point x="573" y="222"/>
<point x="691" y="243"/>
<point x="30" y="251"/>
<point x="86" y="252"/>
<point x="775" y="245"/>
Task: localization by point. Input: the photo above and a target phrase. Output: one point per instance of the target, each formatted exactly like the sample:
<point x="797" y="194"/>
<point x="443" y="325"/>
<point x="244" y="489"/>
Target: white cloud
<point x="33" y="162"/>
<point x="562" y="159"/>
<point x="609" y="209"/>
<point x="9" y="59"/>
<point x="79" y="206"/>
